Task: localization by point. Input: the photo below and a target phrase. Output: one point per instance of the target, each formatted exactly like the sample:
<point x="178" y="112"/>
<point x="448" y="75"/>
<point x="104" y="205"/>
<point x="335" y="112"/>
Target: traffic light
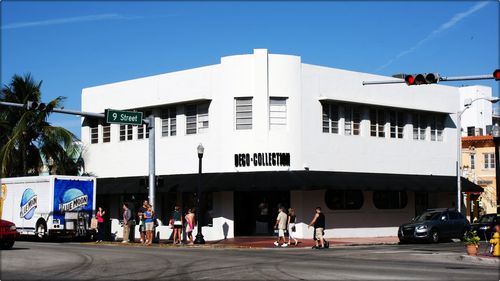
<point x="422" y="78"/>
<point x="33" y="105"/>
<point x="496" y="74"/>
<point x="410" y="80"/>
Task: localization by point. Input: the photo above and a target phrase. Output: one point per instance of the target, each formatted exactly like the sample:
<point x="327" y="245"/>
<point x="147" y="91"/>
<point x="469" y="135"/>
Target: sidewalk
<point x="267" y="242"/>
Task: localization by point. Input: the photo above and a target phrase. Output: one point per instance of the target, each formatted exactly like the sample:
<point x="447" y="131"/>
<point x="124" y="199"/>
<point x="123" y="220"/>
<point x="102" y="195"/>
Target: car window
<point x="427" y="216"/>
<point x="454" y="216"/>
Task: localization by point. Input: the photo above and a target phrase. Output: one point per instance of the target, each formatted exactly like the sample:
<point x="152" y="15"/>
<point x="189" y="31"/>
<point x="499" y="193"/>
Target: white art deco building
<point x="277" y="131"/>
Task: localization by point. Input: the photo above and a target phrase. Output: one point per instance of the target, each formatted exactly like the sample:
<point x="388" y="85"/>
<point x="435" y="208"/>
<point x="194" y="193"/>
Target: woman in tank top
<point x="291" y="226"/>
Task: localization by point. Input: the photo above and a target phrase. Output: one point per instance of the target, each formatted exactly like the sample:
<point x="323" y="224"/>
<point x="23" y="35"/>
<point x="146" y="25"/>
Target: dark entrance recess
<point x="255" y="212"/>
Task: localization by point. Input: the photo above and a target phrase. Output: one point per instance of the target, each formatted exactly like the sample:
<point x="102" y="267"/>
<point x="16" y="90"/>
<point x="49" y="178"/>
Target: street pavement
<point x="90" y="261"/>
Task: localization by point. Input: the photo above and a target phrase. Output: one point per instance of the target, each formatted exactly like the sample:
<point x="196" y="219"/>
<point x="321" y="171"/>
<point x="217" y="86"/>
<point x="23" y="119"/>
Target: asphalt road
<point x="75" y="261"/>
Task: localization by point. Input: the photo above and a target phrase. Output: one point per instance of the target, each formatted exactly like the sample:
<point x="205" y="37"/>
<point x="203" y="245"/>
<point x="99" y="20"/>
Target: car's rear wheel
<point x="434" y="236"/>
<point x="6" y="245"/>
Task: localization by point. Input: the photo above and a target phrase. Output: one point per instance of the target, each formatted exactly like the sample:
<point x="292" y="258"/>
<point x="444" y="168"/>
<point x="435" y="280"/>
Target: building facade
<point x="277" y="131"/>
<point x="478" y="159"/>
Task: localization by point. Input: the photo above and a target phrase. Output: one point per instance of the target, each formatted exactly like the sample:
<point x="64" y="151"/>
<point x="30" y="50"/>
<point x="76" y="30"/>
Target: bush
<point x="471" y="238"/>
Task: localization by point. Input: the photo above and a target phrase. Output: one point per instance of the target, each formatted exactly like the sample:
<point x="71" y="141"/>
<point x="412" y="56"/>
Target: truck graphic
<point x="50" y="205"/>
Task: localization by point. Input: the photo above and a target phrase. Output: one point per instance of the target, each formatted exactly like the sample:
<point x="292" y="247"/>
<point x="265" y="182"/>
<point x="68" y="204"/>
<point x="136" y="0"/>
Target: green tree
<point x="27" y="139"/>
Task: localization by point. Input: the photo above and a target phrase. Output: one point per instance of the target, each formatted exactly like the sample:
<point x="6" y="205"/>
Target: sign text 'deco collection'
<point x="265" y="159"/>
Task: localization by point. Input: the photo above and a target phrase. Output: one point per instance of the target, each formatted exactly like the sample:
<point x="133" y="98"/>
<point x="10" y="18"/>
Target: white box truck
<point x="49" y="205"/>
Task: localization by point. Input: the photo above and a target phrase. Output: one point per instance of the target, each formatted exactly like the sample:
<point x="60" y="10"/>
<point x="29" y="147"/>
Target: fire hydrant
<point x="495" y="242"/>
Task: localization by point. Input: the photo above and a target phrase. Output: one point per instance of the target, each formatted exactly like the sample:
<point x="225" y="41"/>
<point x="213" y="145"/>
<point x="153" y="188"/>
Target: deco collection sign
<point x="262" y="159"/>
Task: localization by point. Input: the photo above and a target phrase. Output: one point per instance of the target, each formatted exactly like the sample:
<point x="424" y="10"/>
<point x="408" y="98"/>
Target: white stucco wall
<point x="479" y="114"/>
<point x="262" y="75"/>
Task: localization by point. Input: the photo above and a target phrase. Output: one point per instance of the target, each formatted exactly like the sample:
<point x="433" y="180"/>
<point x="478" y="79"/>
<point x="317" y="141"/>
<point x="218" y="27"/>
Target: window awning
<point x="286" y="180"/>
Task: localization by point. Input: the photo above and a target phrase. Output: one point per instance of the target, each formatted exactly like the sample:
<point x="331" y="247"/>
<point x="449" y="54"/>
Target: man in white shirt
<point x="281" y="221"/>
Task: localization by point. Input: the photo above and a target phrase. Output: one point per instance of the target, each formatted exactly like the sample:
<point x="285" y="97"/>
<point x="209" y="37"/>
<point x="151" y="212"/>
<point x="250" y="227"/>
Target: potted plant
<point x="471" y="241"/>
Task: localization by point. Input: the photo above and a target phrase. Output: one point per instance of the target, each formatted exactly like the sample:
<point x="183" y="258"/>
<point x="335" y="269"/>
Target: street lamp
<point x="496" y="138"/>
<point x="467" y="104"/>
<point x="199" y="236"/>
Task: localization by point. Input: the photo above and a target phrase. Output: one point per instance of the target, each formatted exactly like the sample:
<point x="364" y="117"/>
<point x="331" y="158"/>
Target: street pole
<point x="152" y="181"/>
<point x="496" y="140"/>
<point x="459" y="159"/>
<point x="497" y="173"/>
<point x="199" y="236"/>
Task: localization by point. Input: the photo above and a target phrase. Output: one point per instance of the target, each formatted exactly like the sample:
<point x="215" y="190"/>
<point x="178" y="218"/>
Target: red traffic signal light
<point x="410" y="80"/>
<point x="422" y="78"/>
<point x="496" y="74"/>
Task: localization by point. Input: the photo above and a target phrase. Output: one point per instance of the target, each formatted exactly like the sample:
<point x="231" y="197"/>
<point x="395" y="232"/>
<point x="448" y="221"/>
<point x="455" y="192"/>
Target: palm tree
<point x="27" y="139"/>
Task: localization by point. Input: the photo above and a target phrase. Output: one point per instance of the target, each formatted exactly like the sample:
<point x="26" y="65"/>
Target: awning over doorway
<point x="286" y="180"/>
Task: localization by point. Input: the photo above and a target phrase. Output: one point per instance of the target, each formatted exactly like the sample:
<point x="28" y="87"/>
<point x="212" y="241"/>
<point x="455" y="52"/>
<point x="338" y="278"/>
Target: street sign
<point x="123" y="117"/>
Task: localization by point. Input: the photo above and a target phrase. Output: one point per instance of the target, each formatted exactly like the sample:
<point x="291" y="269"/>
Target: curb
<point x="480" y="259"/>
<point x="227" y="246"/>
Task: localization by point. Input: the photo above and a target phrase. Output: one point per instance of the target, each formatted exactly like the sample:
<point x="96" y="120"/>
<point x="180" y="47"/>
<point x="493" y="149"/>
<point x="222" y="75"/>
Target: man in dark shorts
<point x="319" y="227"/>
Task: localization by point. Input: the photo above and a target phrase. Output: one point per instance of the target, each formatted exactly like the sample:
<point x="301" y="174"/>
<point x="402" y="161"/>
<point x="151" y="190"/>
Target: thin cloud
<point x="89" y="18"/>
<point x="445" y="26"/>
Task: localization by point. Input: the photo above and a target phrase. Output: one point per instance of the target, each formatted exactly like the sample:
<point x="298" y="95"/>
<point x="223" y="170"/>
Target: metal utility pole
<point x="152" y="153"/>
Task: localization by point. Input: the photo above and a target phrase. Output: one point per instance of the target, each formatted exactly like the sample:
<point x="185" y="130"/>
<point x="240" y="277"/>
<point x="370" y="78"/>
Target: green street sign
<point x="123" y="117"/>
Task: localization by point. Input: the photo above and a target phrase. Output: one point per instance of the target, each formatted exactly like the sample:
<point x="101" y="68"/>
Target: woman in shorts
<point x="148" y="215"/>
<point x="177" y="217"/>
<point x="189" y="225"/>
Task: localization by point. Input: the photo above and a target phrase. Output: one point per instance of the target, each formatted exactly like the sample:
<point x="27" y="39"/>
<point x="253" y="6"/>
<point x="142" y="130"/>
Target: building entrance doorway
<point x="255" y="212"/>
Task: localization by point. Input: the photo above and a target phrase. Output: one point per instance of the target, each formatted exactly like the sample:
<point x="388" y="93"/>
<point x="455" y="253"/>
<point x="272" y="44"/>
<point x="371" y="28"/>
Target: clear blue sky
<point x="73" y="45"/>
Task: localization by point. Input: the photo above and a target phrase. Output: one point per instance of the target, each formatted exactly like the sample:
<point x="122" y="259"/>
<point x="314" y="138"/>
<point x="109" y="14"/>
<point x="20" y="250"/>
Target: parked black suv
<point x="433" y="225"/>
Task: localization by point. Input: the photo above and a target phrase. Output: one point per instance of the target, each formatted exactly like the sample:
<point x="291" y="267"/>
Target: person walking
<point x="127" y="218"/>
<point x="291" y="226"/>
<point x="100" y="224"/>
<point x="142" y="223"/>
<point x="177" y="217"/>
<point x="280" y="224"/>
<point x="148" y="219"/>
<point x="318" y="222"/>
<point x="189" y="225"/>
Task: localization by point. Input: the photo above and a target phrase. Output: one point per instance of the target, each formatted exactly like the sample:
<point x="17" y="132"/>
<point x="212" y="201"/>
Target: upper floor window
<point x="142" y="131"/>
<point x="106" y="133"/>
<point x="397" y="123"/>
<point x="94" y="132"/>
<point x="472" y="161"/>
<point x="352" y="119"/>
<point x="419" y="121"/>
<point x="377" y="123"/>
<point x="243" y="113"/>
<point x="125" y="132"/>
<point x="437" y="126"/>
<point x="168" y="122"/>
<point x="330" y="118"/>
<point x="489" y="160"/>
<point x="196" y="118"/>
<point x="277" y="112"/>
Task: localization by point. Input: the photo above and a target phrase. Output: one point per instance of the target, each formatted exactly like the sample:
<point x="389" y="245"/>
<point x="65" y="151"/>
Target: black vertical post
<point x="199" y="236"/>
